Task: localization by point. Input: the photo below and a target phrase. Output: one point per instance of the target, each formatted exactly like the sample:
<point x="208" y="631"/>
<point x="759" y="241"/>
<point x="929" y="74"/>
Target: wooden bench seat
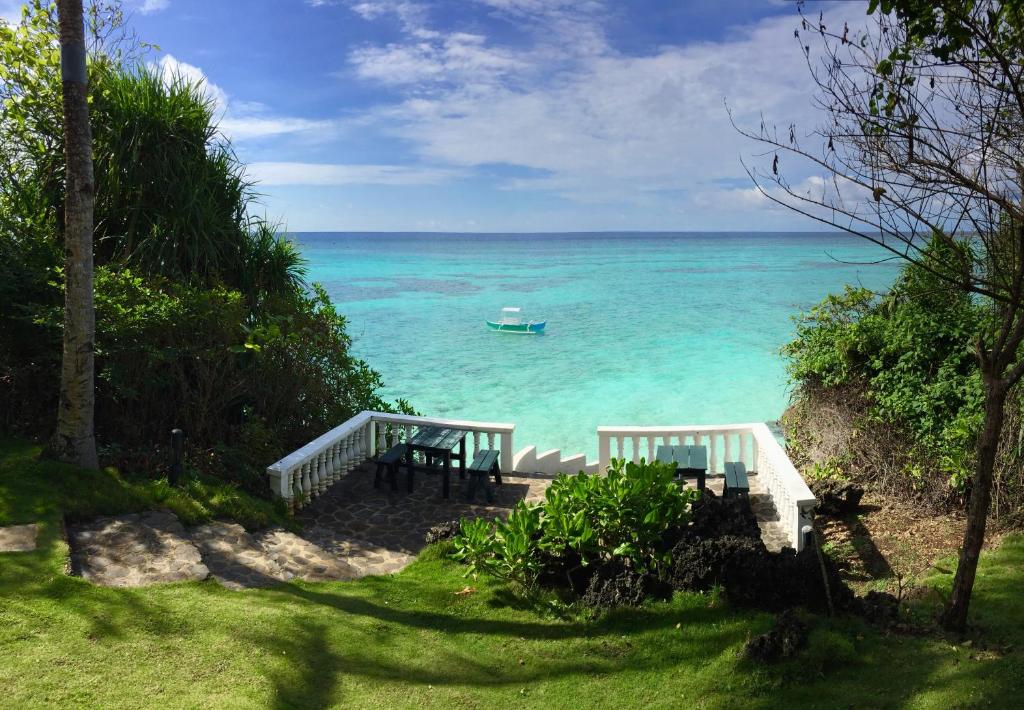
<point x="484" y="465"/>
<point x="389" y="461"/>
<point x="736" y="482"/>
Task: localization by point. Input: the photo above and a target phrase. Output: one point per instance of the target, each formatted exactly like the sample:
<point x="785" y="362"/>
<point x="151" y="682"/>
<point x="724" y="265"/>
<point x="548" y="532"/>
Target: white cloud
<point x="239" y="120"/>
<point x="591" y="122"/>
<point x="148" y="6"/>
<point x="269" y="173"/>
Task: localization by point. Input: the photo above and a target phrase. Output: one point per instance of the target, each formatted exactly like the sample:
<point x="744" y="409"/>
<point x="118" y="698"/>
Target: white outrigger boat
<point x="511" y="321"/>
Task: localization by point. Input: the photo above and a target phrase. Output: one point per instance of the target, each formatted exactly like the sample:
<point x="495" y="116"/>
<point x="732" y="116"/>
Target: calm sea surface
<point x="643" y="329"/>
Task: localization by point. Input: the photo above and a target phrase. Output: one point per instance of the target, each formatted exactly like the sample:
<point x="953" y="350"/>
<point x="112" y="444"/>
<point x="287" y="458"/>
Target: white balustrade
<point x="309" y="471"/>
<point x="753" y="444"/>
<point x="312" y="469"/>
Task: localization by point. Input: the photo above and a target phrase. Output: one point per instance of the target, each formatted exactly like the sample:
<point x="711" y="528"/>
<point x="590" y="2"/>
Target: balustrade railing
<point x="307" y="472"/>
<point x="753" y="444"/>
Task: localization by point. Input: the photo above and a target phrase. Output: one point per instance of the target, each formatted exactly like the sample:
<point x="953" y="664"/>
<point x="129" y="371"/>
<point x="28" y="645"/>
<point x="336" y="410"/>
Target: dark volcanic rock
<point x="715" y="517"/>
<point x="880" y="608"/>
<point x="698" y="564"/>
<point x="444" y="531"/>
<point x="752" y="576"/>
<point x="614" y="584"/>
<point x="836" y="497"/>
<point x="786" y="638"/>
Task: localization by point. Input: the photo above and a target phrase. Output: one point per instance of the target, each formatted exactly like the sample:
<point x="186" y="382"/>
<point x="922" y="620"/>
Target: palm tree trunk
<point x="75" y="440"/>
<point x="955" y="616"/>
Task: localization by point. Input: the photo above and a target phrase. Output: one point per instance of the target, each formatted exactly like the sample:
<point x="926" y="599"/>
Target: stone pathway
<point x="18" y="538"/>
<point x="240" y="560"/>
<point x="379" y="532"/>
<point x="151" y="548"/>
<point x="135" y="550"/>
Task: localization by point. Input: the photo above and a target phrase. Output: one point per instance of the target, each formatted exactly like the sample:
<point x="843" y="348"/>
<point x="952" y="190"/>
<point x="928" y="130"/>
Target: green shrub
<point x="911" y="352"/>
<point x="631" y="515"/>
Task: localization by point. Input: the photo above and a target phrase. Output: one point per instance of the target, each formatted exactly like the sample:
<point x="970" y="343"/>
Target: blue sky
<point x="495" y="115"/>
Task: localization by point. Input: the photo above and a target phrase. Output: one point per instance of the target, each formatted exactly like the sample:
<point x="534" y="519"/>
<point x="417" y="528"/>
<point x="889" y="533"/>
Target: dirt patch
<point x="890" y="539"/>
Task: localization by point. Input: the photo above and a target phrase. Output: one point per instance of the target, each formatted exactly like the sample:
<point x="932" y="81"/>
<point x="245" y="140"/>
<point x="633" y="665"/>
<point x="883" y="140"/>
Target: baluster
<point x="295" y="485"/>
<point x="650" y="447"/>
<point x="712" y="453"/>
<point x="490" y="440"/>
<point x="727" y="437"/>
<point x="321" y="472"/>
<point x="305" y="484"/>
<point x="620" y="441"/>
<point x="314" y="477"/>
<point x="476" y="443"/>
<point x="353" y="450"/>
<point x="343" y="454"/>
<point x="334" y="462"/>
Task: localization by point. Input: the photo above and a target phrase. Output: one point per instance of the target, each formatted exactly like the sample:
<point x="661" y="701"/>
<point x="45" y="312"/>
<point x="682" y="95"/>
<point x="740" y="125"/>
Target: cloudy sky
<point x="496" y="115"/>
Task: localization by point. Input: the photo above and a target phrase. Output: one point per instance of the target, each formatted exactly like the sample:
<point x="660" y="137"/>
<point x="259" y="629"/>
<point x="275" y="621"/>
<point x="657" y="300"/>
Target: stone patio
<point x="377" y="531"/>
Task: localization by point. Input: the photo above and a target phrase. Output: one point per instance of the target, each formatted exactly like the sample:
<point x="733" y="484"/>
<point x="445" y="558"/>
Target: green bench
<point x="389" y="461"/>
<point x="736" y="483"/>
<point x="484" y="465"/>
<point x="688" y="460"/>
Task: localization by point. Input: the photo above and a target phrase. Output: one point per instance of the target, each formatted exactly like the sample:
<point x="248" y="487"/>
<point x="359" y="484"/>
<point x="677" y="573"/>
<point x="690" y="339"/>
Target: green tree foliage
<point x="203" y="316"/>
<point x="910" y="350"/>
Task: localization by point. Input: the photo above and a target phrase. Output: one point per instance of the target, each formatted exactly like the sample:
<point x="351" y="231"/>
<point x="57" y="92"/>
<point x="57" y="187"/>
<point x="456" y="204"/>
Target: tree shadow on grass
<point x="107" y="611"/>
<point x="353" y="636"/>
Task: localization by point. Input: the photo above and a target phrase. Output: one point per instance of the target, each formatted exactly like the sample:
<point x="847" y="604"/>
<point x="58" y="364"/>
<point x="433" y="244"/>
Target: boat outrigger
<point x="511" y="321"/>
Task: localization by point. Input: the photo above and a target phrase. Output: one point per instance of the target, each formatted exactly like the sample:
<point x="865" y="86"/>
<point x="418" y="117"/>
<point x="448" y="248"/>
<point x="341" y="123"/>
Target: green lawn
<point x="409" y="640"/>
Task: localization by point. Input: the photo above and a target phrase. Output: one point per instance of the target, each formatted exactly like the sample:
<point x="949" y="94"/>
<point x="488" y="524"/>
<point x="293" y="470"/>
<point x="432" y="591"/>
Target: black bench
<point x="390" y="460"/>
<point x="736" y="483"/>
<point x="485" y="464"/>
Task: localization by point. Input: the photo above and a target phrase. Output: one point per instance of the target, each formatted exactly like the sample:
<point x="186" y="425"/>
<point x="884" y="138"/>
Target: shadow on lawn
<point x="316" y="662"/>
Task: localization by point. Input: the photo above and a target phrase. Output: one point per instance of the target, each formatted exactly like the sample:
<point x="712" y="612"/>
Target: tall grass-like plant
<point x="172" y="197"/>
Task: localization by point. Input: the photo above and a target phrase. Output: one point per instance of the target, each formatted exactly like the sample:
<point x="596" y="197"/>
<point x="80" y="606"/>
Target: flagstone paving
<point x="350" y="531"/>
<point x="135" y="550"/>
<point x="378" y="531"/>
<point x="18" y="538"/>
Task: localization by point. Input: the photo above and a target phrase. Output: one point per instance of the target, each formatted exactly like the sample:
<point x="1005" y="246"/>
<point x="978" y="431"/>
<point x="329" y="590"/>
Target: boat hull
<point x="517" y="328"/>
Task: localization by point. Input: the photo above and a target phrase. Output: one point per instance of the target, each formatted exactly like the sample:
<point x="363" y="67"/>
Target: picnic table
<point x="438" y="443"/>
<point x="688" y="460"/>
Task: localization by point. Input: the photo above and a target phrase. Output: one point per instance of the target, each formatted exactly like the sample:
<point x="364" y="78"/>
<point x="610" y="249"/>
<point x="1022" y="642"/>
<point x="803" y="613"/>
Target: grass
<point x="31" y="489"/>
<point x="408" y="640"/>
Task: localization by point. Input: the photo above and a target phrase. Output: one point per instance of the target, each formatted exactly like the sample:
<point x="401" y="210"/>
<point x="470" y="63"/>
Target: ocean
<point x="642" y="328"/>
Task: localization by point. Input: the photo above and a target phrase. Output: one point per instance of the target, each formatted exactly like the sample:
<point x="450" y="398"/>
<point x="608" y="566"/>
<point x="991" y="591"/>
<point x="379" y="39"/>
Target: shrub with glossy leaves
<point x="630" y="516"/>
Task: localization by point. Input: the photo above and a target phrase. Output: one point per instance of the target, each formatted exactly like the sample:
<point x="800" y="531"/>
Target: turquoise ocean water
<point x="643" y="329"/>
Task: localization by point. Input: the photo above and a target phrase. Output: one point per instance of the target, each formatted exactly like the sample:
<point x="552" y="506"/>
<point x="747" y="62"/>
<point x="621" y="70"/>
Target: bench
<point x="688" y="460"/>
<point x="390" y="460"/>
<point x="736" y="483"/>
<point x="484" y="465"/>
